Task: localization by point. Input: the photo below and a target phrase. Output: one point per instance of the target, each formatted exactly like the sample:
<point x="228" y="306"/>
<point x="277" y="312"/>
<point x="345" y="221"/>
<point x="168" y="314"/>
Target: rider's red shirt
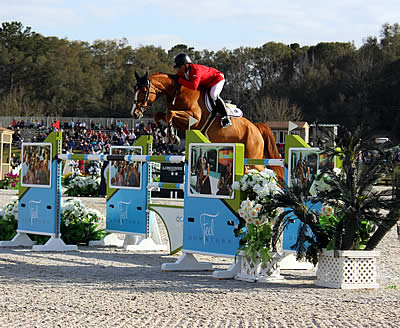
<point x="200" y="75"/>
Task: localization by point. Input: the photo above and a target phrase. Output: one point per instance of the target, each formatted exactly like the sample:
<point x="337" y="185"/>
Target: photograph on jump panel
<point x="36" y="165"/>
<point x="211" y="170"/>
<point x="123" y="174"/>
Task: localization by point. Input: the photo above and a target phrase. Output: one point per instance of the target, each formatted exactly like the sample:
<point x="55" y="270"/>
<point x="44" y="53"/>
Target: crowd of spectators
<point x="78" y="137"/>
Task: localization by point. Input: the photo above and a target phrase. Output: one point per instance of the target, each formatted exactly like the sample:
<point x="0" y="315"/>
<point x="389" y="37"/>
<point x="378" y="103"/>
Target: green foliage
<point x="67" y="179"/>
<point x="8" y="228"/>
<point x="330" y="224"/>
<point x="257" y="234"/>
<point x="257" y="240"/>
<point x="359" y="216"/>
<point x="331" y="82"/>
<point x="82" y="186"/>
<point x="79" y="225"/>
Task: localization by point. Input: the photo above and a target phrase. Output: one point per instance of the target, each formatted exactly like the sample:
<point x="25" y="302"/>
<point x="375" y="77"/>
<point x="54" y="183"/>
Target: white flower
<point x="242" y="213"/>
<point x="258" y="207"/>
<point x="269" y="173"/>
<point x="327" y="211"/>
<point x="253" y="213"/>
<point x="94" y="212"/>
<point x="244" y="178"/>
<point x="246" y="204"/>
<point x="236" y="185"/>
<point x="337" y="170"/>
<point x="67" y="222"/>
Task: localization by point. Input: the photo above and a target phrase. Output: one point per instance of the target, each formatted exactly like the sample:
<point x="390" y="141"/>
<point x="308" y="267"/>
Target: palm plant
<point x="298" y="203"/>
<point x="362" y="215"/>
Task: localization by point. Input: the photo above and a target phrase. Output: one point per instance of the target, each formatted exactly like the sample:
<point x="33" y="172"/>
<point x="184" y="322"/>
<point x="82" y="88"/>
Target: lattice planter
<point x="351" y="270"/>
<point x="255" y="272"/>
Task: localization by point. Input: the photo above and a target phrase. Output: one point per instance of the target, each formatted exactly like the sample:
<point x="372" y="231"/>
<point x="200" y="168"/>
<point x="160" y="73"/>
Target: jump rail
<point x="157" y="159"/>
<point x="126" y="158"/>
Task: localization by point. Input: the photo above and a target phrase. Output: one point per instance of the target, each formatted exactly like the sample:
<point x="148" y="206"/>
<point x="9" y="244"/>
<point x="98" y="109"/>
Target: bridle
<point x="150" y="89"/>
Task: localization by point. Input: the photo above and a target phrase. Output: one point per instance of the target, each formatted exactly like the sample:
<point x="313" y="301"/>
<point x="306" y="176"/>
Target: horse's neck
<point x="163" y="83"/>
<point x="194" y="100"/>
<point x="185" y="99"/>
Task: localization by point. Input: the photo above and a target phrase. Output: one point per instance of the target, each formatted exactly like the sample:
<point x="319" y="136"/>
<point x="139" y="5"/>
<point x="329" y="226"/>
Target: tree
<point x="270" y="109"/>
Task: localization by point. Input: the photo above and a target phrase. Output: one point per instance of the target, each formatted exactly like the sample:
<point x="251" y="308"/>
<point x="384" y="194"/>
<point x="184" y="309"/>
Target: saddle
<point x="231" y="109"/>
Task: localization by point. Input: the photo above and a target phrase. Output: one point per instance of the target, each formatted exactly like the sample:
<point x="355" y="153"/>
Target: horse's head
<point x="145" y="95"/>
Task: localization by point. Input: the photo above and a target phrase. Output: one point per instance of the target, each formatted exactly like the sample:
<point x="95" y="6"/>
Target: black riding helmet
<point x="182" y="59"/>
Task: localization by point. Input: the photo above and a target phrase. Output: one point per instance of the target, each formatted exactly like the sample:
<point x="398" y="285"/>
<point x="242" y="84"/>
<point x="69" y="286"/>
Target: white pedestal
<point x="187" y="262"/>
<point x="20" y="239"/>
<point x="289" y="262"/>
<point x="107" y="240"/>
<point x="147" y="244"/>
<point x="233" y="270"/>
<point x="131" y="240"/>
<point x="55" y="245"/>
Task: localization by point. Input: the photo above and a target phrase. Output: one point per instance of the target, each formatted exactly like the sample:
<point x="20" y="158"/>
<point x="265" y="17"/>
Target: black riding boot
<point x="225" y="120"/>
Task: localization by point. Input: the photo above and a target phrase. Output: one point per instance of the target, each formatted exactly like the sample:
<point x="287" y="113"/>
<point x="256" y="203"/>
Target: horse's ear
<point x="137" y="76"/>
<point x="147" y="75"/>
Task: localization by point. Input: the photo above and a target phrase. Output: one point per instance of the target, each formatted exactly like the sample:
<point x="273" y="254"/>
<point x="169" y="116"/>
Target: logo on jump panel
<point x="123" y="211"/>
<point x="34" y="210"/>
<point x="207" y="225"/>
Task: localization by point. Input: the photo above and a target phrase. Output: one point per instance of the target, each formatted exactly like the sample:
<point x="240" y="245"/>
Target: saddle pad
<point x="231" y="109"/>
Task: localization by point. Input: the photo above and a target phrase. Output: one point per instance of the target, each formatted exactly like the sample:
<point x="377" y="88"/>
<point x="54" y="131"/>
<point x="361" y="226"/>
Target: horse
<point x="183" y="103"/>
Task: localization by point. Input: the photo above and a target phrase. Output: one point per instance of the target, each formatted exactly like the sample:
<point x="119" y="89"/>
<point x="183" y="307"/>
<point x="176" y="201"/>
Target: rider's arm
<point x="194" y="79"/>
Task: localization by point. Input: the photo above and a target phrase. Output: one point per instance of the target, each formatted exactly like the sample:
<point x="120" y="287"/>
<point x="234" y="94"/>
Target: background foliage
<point x="330" y="82"/>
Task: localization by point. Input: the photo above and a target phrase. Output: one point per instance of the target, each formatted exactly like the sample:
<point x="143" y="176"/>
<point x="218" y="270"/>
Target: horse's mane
<point x="162" y="73"/>
<point x="172" y="77"/>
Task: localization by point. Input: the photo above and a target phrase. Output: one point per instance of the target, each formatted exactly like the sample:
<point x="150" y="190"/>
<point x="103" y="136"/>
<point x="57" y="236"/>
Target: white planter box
<point x="254" y="272"/>
<point x="351" y="270"/>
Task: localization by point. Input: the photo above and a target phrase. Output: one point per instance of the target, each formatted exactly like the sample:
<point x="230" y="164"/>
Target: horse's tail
<point x="270" y="149"/>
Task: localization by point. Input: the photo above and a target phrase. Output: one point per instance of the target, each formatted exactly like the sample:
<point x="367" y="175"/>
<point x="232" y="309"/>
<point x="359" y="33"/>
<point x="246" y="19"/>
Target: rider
<point x="192" y="75"/>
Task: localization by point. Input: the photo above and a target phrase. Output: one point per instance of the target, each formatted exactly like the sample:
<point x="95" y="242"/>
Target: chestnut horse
<point x="183" y="103"/>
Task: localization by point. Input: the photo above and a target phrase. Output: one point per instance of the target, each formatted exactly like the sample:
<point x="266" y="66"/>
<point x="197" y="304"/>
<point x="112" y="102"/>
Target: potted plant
<point x="257" y="263"/>
<point x="355" y="216"/>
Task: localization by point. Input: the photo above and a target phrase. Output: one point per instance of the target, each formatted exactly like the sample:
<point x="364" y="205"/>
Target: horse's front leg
<point x="173" y="138"/>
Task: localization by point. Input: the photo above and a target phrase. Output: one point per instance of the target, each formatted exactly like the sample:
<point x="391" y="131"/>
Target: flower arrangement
<point x="83" y="186"/>
<point x="78" y="223"/>
<point x="10" y="181"/>
<point x="256" y="237"/>
<point x="94" y="169"/>
<point x="67" y="178"/>
<point x="9" y="220"/>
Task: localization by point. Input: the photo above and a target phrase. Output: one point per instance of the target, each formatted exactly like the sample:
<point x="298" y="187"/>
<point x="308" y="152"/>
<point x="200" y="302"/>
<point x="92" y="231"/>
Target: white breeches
<point x="216" y="89"/>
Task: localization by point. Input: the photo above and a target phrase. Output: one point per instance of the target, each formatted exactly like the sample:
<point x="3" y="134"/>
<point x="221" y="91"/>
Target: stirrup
<point x="226" y="121"/>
